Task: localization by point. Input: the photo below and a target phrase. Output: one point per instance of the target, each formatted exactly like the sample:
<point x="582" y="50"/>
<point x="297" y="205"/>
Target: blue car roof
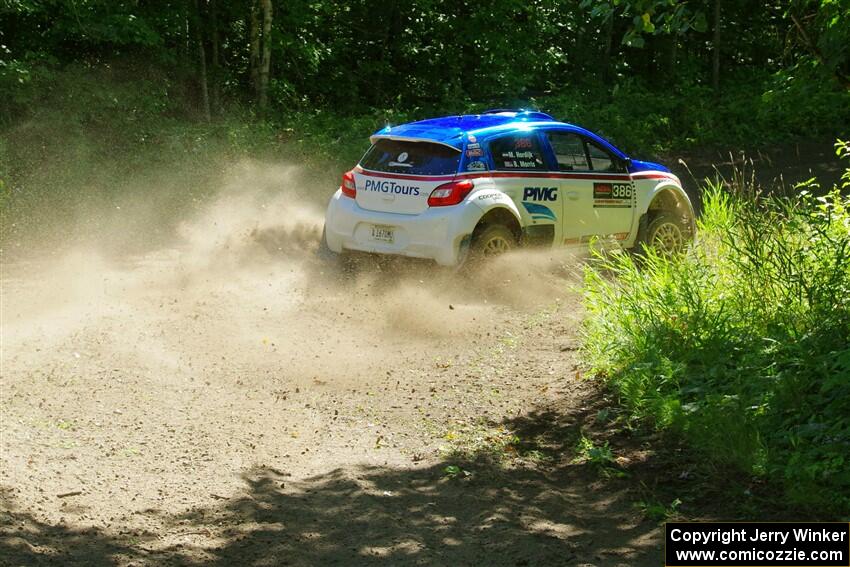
<point x="451" y="130"/>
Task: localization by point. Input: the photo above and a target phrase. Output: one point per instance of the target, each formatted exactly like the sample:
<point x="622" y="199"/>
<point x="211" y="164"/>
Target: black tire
<point x="324" y="253"/>
<point x="666" y="233"/>
<point x="493" y="240"/>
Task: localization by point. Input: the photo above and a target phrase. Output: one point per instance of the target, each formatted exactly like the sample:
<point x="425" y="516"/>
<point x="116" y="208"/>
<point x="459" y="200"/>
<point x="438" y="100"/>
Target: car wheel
<point x="666" y="234"/>
<point x="493" y="241"/>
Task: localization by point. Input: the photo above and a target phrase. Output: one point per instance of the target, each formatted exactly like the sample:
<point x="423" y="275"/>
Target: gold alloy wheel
<point x="496" y="245"/>
<point x="668" y="238"/>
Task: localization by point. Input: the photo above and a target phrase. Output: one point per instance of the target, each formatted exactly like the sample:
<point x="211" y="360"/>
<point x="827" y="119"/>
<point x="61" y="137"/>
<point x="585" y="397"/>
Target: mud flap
<point x="340" y="265"/>
<point x="643" y="224"/>
<point x="323" y="252"/>
<point x="463" y="250"/>
<point x="538" y="235"/>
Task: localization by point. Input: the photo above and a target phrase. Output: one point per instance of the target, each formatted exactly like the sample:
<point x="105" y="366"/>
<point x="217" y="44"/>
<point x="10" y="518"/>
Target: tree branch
<point x="844" y="80"/>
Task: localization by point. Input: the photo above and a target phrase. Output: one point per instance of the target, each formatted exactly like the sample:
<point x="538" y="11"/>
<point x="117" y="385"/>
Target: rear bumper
<point x="435" y="234"/>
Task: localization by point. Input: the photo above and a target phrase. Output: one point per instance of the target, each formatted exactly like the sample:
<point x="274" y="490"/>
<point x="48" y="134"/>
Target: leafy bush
<point x="756" y="108"/>
<point x="742" y="344"/>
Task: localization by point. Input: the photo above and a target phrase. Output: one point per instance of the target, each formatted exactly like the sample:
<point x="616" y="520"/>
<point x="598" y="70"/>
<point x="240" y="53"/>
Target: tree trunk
<point x="186" y="43"/>
<point x="607" y="70"/>
<point x="215" y="91"/>
<point x="254" y="31"/>
<point x="674" y="54"/>
<point x="389" y="53"/>
<point x="715" y="46"/>
<point x="263" y="95"/>
<point x="646" y="62"/>
<point x="670" y="57"/>
<point x="202" y="61"/>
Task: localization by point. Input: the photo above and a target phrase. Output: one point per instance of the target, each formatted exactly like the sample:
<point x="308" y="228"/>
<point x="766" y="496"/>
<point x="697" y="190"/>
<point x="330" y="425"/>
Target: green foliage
<point x="755" y="109"/>
<point x="636" y="70"/>
<point x="742" y="345"/>
<point x="587" y="451"/>
<point x="651" y="17"/>
<point x="355" y="56"/>
<point x="656" y="511"/>
<point x="823" y="34"/>
<point x="454" y="471"/>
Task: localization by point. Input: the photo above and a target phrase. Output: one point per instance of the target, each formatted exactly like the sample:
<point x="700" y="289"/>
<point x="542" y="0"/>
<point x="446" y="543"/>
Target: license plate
<point x="383" y="233"/>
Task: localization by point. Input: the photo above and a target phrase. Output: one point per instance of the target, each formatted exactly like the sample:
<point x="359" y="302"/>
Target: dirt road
<point x="224" y="397"/>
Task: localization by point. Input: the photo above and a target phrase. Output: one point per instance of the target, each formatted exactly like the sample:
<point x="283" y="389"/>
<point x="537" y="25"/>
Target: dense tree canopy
<point x="384" y="53"/>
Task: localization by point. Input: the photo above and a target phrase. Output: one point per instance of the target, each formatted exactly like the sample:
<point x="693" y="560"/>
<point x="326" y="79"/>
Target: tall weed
<point x="742" y="344"/>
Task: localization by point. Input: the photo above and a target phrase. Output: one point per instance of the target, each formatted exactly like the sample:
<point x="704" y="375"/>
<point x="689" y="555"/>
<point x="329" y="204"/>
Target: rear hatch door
<point x="396" y="176"/>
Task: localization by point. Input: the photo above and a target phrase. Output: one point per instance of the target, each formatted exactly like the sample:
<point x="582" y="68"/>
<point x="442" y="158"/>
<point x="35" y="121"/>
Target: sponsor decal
<point x="473" y="146"/>
<point x="540" y="193"/>
<point x="539" y="212"/>
<point x="472" y="139"/>
<point x="390" y="187"/>
<point x="612" y="195"/>
<point x="490" y="196"/>
<point x="523" y="144"/>
<point x="402" y="157"/>
<point x="476" y="166"/>
<point x="475" y="152"/>
<point x="612" y="190"/>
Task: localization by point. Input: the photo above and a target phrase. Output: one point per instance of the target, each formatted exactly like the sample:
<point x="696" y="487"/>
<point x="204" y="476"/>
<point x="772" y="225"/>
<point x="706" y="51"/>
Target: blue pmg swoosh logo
<point x="538" y="211"/>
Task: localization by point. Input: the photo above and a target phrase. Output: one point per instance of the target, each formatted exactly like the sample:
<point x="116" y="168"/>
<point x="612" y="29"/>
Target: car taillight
<point x="450" y="193"/>
<point x="349" y="189"/>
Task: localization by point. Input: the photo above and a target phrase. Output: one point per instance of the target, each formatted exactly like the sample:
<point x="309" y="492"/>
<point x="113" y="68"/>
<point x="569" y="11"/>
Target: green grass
<point x="741" y="345"/>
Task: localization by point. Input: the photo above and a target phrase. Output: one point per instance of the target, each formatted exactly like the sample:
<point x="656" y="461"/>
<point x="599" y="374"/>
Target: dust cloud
<point x="245" y="261"/>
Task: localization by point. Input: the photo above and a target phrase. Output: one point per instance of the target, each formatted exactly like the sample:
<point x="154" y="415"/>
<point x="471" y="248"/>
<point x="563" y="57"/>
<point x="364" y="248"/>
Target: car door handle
<point x="572" y="195"/>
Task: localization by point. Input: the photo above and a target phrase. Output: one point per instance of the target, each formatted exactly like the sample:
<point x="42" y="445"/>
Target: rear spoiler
<point x="376" y="137"/>
<point x="520" y="113"/>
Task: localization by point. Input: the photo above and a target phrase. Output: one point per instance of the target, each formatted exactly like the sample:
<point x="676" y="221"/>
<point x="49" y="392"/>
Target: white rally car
<point x="461" y="187"/>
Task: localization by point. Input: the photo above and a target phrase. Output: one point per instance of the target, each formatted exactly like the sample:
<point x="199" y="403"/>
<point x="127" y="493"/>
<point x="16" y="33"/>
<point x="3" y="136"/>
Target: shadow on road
<point x="551" y="511"/>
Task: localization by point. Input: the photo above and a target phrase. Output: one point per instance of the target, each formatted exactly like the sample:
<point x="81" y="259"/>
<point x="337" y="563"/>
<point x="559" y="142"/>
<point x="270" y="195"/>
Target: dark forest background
<point x="650" y="73"/>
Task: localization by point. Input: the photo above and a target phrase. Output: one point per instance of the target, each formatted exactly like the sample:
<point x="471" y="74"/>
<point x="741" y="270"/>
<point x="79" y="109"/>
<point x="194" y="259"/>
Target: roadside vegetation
<point x="741" y="346"/>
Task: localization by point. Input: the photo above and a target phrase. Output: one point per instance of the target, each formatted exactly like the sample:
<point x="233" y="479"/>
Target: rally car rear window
<point x="416" y="158"/>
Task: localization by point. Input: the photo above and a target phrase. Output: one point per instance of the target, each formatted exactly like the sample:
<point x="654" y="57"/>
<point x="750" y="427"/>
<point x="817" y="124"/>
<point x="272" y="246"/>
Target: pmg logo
<point x="540" y="194"/>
